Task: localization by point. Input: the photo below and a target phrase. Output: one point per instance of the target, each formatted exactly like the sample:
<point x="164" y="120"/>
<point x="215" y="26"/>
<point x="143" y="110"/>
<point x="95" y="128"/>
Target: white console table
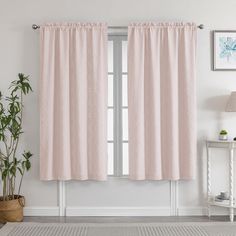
<point x="230" y="145"/>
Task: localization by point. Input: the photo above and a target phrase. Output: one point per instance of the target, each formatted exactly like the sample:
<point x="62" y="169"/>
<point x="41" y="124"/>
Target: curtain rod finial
<point x="201" y="26"/>
<point x="34" y="26"/>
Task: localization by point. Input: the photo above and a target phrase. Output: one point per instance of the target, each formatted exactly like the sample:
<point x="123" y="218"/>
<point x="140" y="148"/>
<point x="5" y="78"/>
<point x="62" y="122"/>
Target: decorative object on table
<point x="223" y="135"/>
<point x="224" y="201"/>
<point x="222" y="196"/>
<point x="12" y="165"/>
<point x="224" y="50"/>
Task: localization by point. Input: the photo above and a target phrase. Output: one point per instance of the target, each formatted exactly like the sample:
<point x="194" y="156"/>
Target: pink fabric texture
<point x="162" y="101"/>
<point x="73" y="102"/>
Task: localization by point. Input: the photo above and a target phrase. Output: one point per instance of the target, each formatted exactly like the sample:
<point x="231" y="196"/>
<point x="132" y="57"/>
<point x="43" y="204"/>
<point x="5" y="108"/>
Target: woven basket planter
<point x="12" y="210"/>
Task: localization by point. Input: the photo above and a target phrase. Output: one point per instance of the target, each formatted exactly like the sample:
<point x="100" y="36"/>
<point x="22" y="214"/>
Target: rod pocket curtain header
<point x="69" y="26"/>
<point x="173" y="25"/>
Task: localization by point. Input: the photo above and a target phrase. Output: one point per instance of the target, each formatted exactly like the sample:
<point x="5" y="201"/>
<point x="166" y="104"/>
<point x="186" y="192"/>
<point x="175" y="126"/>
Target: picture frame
<point x="224" y="50"/>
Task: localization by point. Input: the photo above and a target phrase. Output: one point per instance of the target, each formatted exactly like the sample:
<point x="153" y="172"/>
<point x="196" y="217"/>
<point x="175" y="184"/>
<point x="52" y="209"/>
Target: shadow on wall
<point x="30" y="66"/>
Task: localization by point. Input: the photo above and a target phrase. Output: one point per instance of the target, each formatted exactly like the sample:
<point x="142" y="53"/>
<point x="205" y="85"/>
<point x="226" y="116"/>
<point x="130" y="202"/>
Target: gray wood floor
<point x="126" y="219"/>
<point x="116" y="219"/>
<point x="151" y="219"/>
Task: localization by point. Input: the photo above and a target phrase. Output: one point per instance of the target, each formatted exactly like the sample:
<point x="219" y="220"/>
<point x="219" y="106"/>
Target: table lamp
<point x="231" y="104"/>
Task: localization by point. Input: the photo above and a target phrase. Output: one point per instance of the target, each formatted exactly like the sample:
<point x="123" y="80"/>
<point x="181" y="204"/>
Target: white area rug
<point x="119" y="229"/>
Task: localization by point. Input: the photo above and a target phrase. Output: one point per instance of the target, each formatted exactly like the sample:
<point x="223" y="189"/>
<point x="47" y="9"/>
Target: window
<point x="117" y="106"/>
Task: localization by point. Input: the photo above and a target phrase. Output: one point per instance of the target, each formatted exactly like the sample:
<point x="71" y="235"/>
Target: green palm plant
<point x="13" y="165"/>
<point x="223" y="132"/>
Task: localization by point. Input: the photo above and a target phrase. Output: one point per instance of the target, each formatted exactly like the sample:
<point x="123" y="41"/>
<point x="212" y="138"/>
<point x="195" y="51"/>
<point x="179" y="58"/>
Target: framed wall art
<point x="224" y="50"/>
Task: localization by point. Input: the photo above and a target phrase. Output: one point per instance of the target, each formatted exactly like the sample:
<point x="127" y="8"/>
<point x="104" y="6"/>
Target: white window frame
<point x="117" y="104"/>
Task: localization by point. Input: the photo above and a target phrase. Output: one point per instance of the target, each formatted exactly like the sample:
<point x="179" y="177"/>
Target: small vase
<point x="223" y="137"/>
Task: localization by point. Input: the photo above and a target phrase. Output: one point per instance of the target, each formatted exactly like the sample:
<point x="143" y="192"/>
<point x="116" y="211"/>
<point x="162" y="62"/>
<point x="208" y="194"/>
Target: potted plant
<point x="12" y="165"/>
<point x="223" y="135"/>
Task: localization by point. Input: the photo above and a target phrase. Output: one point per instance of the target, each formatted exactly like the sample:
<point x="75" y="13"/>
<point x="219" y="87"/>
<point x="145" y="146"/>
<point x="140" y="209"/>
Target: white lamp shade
<point x="231" y="105"/>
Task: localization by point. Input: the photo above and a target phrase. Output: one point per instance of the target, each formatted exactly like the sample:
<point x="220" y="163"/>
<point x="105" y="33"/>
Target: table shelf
<point x="220" y="204"/>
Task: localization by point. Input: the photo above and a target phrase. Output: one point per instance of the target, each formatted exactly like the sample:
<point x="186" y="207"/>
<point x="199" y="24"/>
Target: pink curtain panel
<point x="162" y="101"/>
<point x="73" y="101"/>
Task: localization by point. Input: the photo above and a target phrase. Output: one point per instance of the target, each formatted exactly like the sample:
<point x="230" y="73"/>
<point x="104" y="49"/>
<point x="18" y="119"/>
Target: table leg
<point x="208" y="182"/>
<point x="231" y="184"/>
<point x="231" y="214"/>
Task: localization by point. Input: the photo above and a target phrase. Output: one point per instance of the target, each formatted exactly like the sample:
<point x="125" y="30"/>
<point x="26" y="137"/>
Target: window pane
<point x="110" y="124"/>
<point x="124" y="56"/>
<point x="110" y="90"/>
<point x="110" y="56"/>
<point x="125" y="123"/>
<point x="124" y="91"/>
<point x="125" y="158"/>
<point x="110" y="164"/>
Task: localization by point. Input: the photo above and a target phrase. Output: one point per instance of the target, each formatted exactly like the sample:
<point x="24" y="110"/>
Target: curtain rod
<point x="35" y="27"/>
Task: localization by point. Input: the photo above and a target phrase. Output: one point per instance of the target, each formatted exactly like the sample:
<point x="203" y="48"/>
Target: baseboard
<point x="99" y="211"/>
<point x="202" y="211"/>
<point x="118" y="211"/>
<point x="41" y="211"/>
<point x="192" y="211"/>
<point x="123" y="211"/>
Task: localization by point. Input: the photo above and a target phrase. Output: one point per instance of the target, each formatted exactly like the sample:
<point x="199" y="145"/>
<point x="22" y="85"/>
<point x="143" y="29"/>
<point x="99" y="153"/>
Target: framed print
<point x="224" y="50"/>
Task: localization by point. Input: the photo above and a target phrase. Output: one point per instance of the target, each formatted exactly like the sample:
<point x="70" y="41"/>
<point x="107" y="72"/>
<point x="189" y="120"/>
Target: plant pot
<point x="12" y="210"/>
<point x="223" y="137"/>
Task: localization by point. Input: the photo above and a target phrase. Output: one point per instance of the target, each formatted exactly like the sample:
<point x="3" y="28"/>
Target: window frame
<point x="117" y="104"/>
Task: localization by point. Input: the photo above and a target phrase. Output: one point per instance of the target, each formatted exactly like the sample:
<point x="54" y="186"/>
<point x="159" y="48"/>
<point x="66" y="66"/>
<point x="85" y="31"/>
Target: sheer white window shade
<point x="125" y="163"/>
<point x="110" y="166"/>
<point x="110" y="90"/>
<point x="125" y="123"/>
<point x="110" y="111"/>
<point x="124" y="56"/>
<point x="117" y="106"/>
<point x="124" y="91"/>
<point x="110" y="124"/>
<point x="110" y="56"/>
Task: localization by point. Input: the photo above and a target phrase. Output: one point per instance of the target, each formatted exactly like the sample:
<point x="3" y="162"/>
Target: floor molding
<point x="118" y="211"/>
<point x="174" y="197"/>
<point x="41" y="211"/>
<point x="122" y="211"/>
<point x="201" y="211"/>
<point x="62" y="198"/>
<point x="192" y="211"/>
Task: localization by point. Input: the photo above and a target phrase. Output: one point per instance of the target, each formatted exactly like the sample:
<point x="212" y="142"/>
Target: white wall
<point x="19" y="52"/>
